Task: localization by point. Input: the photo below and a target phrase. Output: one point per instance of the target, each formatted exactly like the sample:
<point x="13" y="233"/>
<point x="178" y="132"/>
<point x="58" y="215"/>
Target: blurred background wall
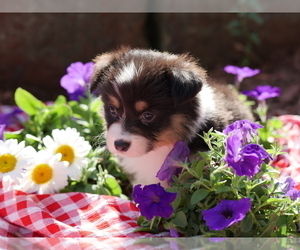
<point x="37" y="48"/>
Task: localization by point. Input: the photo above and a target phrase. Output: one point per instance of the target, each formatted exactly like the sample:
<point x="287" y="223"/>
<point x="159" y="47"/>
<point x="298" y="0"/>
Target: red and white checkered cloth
<point x="289" y="163"/>
<point x="66" y="215"/>
<point x="38" y="219"/>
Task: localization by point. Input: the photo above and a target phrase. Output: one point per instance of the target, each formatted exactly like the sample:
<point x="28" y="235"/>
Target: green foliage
<point x="102" y="174"/>
<point x="243" y="29"/>
<point x="208" y="180"/>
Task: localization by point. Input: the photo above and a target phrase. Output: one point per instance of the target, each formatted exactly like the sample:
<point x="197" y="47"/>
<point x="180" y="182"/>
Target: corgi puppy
<point x="152" y="100"/>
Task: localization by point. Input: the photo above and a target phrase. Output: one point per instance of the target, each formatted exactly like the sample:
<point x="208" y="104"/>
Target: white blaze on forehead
<point x="207" y="104"/>
<point x="207" y="100"/>
<point x="128" y="72"/>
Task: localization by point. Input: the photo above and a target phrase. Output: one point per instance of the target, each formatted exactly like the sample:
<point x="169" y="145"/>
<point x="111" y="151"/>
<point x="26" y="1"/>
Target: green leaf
<point x="180" y="219"/>
<point x="176" y="202"/>
<point x="247" y="223"/>
<point x="173" y="189"/>
<point x="95" y="105"/>
<point x="60" y="100"/>
<point x="254" y="37"/>
<point x="113" y="185"/>
<point x="27" y="102"/>
<point x="281" y="221"/>
<point x="199" y="168"/>
<point x="273" y="200"/>
<point x="199" y="195"/>
<point x="223" y="189"/>
<point x="270" y="226"/>
<point x="31" y="138"/>
<point x="14" y="135"/>
<point x="145" y="229"/>
<point x="60" y="111"/>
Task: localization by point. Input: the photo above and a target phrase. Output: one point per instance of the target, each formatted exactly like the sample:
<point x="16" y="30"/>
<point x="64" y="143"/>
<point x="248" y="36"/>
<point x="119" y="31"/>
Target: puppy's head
<point x="149" y="98"/>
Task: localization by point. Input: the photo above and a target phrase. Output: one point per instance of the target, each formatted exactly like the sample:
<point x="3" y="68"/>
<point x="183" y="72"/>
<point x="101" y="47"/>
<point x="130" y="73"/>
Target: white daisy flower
<point x="47" y="174"/>
<point x="15" y="158"/>
<point x="73" y="148"/>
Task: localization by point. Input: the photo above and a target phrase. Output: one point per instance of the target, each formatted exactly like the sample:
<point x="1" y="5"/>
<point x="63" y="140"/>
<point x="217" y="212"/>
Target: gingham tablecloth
<point x="289" y="163"/>
<point x="67" y="215"/>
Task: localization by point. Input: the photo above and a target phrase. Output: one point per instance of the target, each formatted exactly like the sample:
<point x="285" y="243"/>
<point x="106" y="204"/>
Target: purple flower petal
<point x="258" y="150"/>
<point x="293" y="194"/>
<point x="174" y="233"/>
<point x="263" y="92"/>
<point x="153" y="200"/>
<point x="288" y="187"/>
<point x="171" y="165"/>
<point x="10" y="118"/>
<point x="173" y="244"/>
<point x="76" y="79"/>
<point x="2" y="128"/>
<point x="244" y="160"/>
<point x="241" y="73"/>
<point x="226" y="213"/>
<point x="288" y="184"/>
<point x="248" y="165"/>
<point x="233" y="145"/>
<point x="247" y="129"/>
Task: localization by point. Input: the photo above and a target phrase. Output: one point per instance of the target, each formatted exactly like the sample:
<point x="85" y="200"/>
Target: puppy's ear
<point x="101" y="62"/>
<point x="185" y="85"/>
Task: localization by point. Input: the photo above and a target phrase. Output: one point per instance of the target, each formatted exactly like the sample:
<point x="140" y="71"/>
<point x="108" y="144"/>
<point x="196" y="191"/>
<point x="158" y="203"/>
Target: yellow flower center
<point x="67" y="153"/>
<point x="42" y="173"/>
<point x="7" y="163"/>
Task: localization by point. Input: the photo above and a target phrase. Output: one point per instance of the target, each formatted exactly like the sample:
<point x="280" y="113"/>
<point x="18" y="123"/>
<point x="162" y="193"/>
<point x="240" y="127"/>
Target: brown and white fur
<point x="152" y="100"/>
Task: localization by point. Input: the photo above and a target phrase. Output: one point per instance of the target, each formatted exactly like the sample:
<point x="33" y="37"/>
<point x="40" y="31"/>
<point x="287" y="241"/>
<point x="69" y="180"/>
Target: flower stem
<point x="261" y="110"/>
<point x="152" y="222"/>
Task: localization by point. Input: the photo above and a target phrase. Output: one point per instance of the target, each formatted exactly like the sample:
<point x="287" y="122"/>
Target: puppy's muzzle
<point x="122" y="145"/>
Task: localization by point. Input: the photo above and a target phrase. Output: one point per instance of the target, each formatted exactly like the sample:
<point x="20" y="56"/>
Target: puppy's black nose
<point x="122" y="145"/>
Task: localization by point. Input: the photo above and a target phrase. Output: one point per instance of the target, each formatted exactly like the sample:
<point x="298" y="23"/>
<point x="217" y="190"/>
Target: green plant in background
<point x="243" y="29"/>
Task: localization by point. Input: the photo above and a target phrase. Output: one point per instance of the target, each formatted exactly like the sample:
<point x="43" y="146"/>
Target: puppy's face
<point x="149" y="100"/>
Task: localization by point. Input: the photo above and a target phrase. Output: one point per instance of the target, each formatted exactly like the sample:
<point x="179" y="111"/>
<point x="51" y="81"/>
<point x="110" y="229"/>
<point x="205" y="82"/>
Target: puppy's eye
<point x="113" y="111"/>
<point x="147" y="117"/>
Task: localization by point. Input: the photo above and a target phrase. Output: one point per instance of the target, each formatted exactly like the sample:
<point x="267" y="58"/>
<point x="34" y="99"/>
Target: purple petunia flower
<point x="171" y="165"/>
<point x="288" y="187"/>
<point x="293" y="194"/>
<point x="241" y="73"/>
<point x="253" y="148"/>
<point x="174" y="233"/>
<point x="173" y="244"/>
<point x="77" y="77"/>
<point x="226" y="213"/>
<point x="11" y="117"/>
<point x="246" y="128"/>
<point x="153" y="200"/>
<point x="2" y="127"/>
<point x="245" y="160"/>
<point x="288" y="184"/>
<point x="263" y="92"/>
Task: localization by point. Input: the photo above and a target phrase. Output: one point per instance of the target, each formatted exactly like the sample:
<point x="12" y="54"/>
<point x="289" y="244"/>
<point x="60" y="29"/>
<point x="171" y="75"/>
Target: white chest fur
<point x="145" y="168"/>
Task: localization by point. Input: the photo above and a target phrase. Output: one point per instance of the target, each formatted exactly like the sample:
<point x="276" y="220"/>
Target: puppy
<point x="152" y="100"/>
